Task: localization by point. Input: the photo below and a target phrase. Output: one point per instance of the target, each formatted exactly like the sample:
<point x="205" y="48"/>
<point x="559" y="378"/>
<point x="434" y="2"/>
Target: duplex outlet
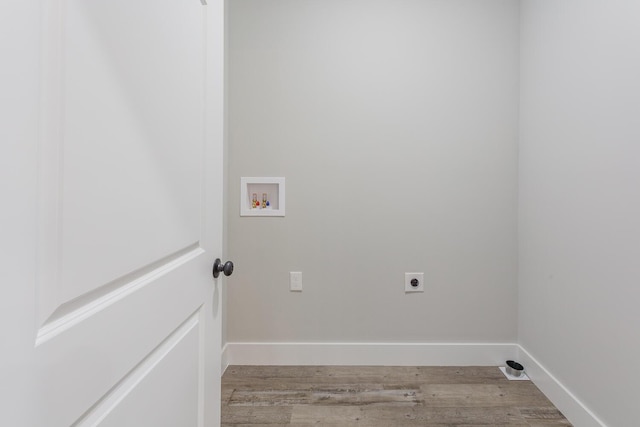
<point x="413" y="282"/>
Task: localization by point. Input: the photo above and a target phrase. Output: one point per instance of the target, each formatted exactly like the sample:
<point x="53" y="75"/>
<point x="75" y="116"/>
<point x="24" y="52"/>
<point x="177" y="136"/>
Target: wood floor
<point x="381" y="396"/>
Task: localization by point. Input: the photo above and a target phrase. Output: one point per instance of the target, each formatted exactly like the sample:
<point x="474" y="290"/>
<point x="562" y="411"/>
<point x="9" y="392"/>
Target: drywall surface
<point x="395" y="125"/>
<point x="579" y="230"/>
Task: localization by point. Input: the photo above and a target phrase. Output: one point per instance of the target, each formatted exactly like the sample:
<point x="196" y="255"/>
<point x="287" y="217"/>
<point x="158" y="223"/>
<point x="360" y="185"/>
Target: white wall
<point x="395" y="125"/>
<point x="579" y="232"/>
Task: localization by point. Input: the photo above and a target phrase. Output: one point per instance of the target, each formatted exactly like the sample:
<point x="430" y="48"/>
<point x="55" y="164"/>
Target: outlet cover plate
<point x="295" y="281"/>
<point x="408" y="287"/>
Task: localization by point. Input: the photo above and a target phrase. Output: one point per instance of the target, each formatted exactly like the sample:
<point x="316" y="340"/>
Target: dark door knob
<point x="218" y="267"/>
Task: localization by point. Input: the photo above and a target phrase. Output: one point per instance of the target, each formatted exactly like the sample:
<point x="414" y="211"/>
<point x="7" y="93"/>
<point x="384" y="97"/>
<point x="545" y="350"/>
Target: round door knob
<point x="218" y="267"/>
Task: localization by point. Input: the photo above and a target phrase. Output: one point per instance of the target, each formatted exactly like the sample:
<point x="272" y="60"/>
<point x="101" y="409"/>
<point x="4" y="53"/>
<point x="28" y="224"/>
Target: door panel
<point x="132" y="136"/>
<point x="123" y="324"/>
<point x="131" y="139"/>
<point x="142" y="398"/>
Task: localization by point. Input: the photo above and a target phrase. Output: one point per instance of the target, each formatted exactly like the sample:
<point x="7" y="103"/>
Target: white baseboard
<point x="224" y="358"/>
<point x="558" y="394"/>
<point x="371" y="354"/>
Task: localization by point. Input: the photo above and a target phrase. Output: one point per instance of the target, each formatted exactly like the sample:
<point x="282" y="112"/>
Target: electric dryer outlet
<point x="413" y="282"/>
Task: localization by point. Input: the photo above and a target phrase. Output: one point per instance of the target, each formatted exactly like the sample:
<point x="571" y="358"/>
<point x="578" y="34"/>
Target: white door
<point x="111" y="163"/>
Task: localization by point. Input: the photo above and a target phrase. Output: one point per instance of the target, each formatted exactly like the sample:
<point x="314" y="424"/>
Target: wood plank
<point x="547" y="413"/>
<point x="269" y="398"/>
<point x="360" y="397"/>
<point x="345" y="415"/>
<point x="482" y="395"/>
<point x="544" y="417"/>
<point x="257" y="424"/>
<point x="309" y="385"/>
<point x="256" y="415"/>
<point x="420" y="415"/>
<point x="564" y="423"/>
<point x="362" y="374"/>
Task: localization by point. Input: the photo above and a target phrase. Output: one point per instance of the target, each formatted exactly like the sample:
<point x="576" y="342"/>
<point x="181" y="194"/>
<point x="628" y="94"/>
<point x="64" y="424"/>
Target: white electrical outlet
<point x="413" y="282"/>
<point x="295" y="281"/>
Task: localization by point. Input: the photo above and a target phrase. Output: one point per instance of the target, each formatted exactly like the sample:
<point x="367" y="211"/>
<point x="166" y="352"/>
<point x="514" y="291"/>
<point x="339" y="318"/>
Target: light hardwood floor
<point x="381" y="396"/>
